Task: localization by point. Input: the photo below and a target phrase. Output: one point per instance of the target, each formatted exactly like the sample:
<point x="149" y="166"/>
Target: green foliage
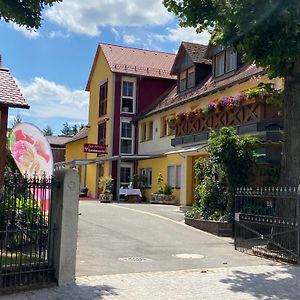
<point x="16" y="120"/>
<point x="139" y="181"/>
<point x="28" y="210"/>
<point x="266" y="32"/>
<point x="104" y="181"/>
<point x="25" y="13"/>
<point x="66" y="130"/>
<point x="48" y="131"/>
<point x="167" y="190"/>
<point x="230" y="158"/>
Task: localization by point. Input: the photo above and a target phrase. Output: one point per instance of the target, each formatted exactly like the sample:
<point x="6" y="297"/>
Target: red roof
<point x="209" y="86"/>
<point x="10" y="94"/>
<point x="136" y="61"/>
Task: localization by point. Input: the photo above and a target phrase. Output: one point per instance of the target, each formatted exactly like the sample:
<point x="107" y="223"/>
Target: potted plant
<point x="164" y="194"/>
<point x="104" y="193"/>
<point x="172" y="121"/>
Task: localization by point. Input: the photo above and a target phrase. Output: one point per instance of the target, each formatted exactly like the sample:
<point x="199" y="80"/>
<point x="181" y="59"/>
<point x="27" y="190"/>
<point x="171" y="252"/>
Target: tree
<point x="48" y="131"/>
<point x="74" y="129"/>
<point x="264" y="32"/>
<point x="24" y="12"/>
<point x="67" y="130"/>
<point x="16" y="120"/>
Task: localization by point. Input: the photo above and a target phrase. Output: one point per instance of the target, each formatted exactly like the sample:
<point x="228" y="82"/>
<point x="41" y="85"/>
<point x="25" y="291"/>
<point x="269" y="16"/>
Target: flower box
<point x="219" y="228"/>
<point x="163" y="199"/>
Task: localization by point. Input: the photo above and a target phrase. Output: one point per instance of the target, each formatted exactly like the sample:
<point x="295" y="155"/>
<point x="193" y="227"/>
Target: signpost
<point x="95" y="148"/>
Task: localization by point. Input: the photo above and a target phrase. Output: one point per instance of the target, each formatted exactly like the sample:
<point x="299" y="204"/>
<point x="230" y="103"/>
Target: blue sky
<point x="52" y="65"/>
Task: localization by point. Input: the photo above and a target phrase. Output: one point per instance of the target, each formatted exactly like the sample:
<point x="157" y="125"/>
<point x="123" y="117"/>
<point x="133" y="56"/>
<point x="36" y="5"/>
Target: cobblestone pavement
<point x="240" y="283"/>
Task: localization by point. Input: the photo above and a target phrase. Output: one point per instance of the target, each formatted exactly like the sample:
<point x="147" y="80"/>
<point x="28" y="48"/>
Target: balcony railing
<point x="250" y="111"/>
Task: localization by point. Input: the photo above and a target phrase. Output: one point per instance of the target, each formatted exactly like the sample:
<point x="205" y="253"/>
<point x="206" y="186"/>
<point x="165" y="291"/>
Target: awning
<point x="187" y="150"/>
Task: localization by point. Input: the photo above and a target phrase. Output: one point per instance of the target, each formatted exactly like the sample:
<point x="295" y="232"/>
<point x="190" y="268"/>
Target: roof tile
<point x="10" y="93"/>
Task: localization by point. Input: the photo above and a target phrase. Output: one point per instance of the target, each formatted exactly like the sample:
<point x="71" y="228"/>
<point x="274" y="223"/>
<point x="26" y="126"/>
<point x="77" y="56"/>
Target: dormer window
<point x="191" y="78"/>
<point x="225" y="62"/>
<point x="182" y="81"/>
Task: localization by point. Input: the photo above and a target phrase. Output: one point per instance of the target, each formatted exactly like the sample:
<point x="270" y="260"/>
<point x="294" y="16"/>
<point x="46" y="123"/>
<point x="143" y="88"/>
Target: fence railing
<point x="267" y="222"/>
<point x="25" y="246"/>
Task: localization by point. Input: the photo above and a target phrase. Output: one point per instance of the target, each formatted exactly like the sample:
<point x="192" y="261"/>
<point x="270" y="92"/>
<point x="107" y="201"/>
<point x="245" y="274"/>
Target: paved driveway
<point x="129" y="238"/>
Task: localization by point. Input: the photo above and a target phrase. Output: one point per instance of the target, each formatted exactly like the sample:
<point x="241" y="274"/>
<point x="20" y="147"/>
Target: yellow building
<point x="123" y="83"/>
<point x="204" y="74"/>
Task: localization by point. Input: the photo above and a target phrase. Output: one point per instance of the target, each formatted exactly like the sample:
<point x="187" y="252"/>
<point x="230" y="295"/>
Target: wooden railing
<point x="249" y="112"/>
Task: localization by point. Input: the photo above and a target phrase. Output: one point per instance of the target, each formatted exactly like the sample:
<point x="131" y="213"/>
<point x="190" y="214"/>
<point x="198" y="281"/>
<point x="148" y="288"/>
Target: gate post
<point x="64" y="224"/>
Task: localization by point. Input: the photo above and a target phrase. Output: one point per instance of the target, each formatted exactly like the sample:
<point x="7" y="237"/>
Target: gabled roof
<point x="135" y="61"/>
<point x="10" y="94"/>
<point x="196" y="52"/>
<point x="82" y="134"/>
<point x="209" y="86"/>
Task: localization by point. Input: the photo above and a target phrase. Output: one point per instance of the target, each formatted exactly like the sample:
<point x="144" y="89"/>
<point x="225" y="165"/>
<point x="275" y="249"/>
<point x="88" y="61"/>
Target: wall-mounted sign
<point x="95" y="148"/>
<point x="30" y="150"/>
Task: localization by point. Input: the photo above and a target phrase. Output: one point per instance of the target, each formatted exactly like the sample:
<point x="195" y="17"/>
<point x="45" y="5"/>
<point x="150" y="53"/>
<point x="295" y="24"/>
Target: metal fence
<point x="25" y="237"/>
<point x="267" y="222"/>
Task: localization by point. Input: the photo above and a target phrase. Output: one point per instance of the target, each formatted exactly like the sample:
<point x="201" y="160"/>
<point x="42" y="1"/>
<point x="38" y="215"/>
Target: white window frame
<point x="126" y="120"/>
<point x="129" y="166"/>
<point x="176" y="176"/>
<point x="218" y="56"/>
<point x="133" y="80"/>
<point x="231" y="57"/>
<point x="145" y="172"/>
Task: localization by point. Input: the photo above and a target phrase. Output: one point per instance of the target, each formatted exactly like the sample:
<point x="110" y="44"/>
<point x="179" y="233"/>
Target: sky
<point x="52" y="65"/>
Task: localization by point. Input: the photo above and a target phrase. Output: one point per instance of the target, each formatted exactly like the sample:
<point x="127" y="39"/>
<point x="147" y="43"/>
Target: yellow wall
<point x="101" y="72"/>
<point x="160" y="165"/>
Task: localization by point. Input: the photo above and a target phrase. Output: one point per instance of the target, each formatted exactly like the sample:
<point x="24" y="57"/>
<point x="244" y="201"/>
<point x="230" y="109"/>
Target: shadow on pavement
<point x="73" y="291"/>
<point x="280" y="284"/>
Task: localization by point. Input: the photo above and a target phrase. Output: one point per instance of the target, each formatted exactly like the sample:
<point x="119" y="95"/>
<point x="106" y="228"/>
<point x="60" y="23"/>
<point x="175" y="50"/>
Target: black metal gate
<point x="25" y="237"/>
<point x="267" y="222"/>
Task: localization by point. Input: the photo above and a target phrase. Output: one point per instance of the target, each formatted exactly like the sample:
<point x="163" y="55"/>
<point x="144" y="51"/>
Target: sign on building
<point x="95" y="148"/>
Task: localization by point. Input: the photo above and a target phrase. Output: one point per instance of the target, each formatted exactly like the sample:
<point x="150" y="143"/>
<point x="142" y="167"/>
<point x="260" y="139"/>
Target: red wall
<point x="148" y="90"/>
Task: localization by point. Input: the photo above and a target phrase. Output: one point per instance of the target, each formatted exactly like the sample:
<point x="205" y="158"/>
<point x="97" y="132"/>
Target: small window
<point x="126" y="137"/>
<point x="219" y="65"/>
<point x="174" y="176"/>
<point x="143" y="132"/>
<point x="147" y="174"/>
<point x="102" y="134"/>
<point x="103" y="99"/>
<point x="230" y="60"/>
<point x="125" y="175"/>
<point x="128" y="96"/>
<point x="182" y="81"/>
<point x="191" y="78"/>
<point x="150" y="131"/>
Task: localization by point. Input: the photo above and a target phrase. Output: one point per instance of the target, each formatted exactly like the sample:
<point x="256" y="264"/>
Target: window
<point x="165" y="129"/>
<point x="219" y="64"/>
<point x="143" y="132"/>
<point x="125" y="174"/>
<point x="191" y="78"/>
<point x="174" y="176"/>
<point x="102" y="134"/>
<point x="147" y="174"/>
<point x="128" y="95"/>
<point x="150" y="131"/>
<point x="230" y="60"/>
<point x="182" y="81"/>
<point x="126" y="137"/>
<point x="103" y="99"/>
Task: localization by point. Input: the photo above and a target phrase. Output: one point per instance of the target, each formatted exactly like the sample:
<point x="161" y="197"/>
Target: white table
<point x="130" y="192"/>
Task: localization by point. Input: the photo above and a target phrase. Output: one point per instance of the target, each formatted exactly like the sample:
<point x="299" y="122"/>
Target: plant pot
<point x="105" y="198"/>
<point x="163" y="199"/>
<point x="219" y="228"/>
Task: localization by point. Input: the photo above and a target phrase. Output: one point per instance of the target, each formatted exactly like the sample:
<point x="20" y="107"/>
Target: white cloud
<point x="49" y="100"/>
<point x="179" y="34"/>
<point x="130" y="39"/>
<point x="87" y="17"/>
<point x="58" y="34"/>
<point x="115" y="33"/>
<point x="28" y="33"/>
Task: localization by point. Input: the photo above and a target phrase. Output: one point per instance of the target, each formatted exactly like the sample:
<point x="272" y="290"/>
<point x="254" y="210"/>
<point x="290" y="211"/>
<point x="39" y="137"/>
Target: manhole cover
<point x="189" y="255"/>
<point x="134" y="259"/>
